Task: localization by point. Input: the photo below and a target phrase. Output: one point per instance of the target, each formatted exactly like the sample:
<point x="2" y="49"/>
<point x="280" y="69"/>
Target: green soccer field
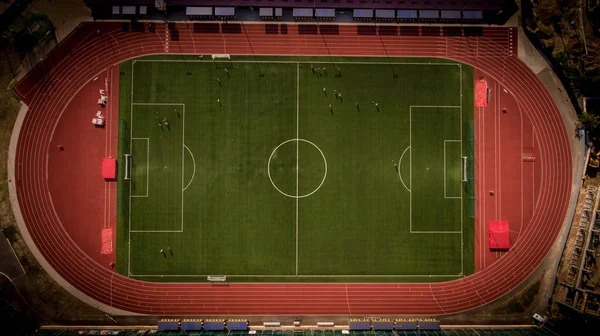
<point x="272" y="171"/>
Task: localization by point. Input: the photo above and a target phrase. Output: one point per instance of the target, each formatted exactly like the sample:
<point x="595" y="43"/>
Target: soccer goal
<point x="222" y="61"/>
<point x="217" y="278"/>
<point x="465" y="162"/>
<point x="127" y="167"/>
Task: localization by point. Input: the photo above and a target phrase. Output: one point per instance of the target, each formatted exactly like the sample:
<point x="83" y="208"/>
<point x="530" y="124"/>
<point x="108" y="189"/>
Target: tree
<point x="588" y="121"/>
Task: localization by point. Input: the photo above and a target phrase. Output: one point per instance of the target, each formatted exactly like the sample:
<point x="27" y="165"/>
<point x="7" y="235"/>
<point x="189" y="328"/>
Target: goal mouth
<point x="222" y="61"/>
<point x="127" y="167"/>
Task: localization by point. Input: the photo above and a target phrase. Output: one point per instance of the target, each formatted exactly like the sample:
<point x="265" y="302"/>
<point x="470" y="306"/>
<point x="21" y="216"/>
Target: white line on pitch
<point x="297" y="152"/>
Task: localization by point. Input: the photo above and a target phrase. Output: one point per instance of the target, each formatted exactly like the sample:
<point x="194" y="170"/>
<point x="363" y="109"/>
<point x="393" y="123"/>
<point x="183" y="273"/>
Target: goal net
<point x="127" y="167"/>
<point x="219" y="278"/>
<point x="222" y="61"/>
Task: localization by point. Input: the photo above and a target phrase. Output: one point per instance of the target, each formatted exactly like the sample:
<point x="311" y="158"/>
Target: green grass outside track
<point x="374" y="192"/>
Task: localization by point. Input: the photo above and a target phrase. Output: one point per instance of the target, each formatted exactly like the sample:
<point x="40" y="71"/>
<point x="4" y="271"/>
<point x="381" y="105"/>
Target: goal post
<point x="127" y="167"/>
<point x="465" y="164"/>
<point x="222" y="61"/>
<point x="217" y="279"/>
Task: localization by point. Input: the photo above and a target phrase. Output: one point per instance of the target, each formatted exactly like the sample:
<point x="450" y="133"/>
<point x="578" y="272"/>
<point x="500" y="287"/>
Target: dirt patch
<point x="565" y="35"/>
<point x="35" y="293"/>
<point x="519" y="303"/>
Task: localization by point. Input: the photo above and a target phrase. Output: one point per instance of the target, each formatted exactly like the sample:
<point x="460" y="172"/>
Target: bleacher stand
<point x="191" y="324"/>
<point x="451" y="16"/>
<point x="225" y="13"/>
<point x="407" y="15"/>
<point x="406" y="324"/>
<point x="199" y="13"/>
<point x="237" y="324"/>
<point x="383" y="324"/>
<point x="472" y="16"/>
<point x="303" y="14"/>
<point x="385" y="15"/>
<point x="363" y="14"/>
<point x="214" y="325"/>
<point x="270" y="13"/>
<point x="429" y="15"/>
<point x="168" y="324"/>
<point x="359" y="324"/>
<point x="429" y="324"/>
<point x="325" y="14"/>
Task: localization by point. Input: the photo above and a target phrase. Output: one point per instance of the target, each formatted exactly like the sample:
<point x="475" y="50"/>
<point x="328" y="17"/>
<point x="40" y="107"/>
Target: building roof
<point x="399" y="4"/>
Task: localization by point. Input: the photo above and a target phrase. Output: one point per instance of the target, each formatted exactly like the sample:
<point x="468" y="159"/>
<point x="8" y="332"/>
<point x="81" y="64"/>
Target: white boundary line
<point x="304" y="275"/>
<point x="445" y="182"/>
<point x="297" y="171"/>
<point x="130" y="147"/>
<point x="298" y="61"/>
<point x="297" y="153"/>
<point x="194" y="161"/>
<point x="147" y="166"/>
<point x="462" y="236"/>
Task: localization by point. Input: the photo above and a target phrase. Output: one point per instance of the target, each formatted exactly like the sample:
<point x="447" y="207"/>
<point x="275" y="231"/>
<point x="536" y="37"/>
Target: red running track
<point x="95" y="46"/>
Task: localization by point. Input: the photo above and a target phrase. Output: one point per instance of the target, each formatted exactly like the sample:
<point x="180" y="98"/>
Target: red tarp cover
<point x="106" y="241"/>
<point x="498" y="235"/>
<point x="109" y="168"/>
<point x="480" y="93"/>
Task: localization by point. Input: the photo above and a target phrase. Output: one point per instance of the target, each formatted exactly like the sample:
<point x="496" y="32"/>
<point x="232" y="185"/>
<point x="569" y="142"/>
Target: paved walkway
<point x="10" y="267"/>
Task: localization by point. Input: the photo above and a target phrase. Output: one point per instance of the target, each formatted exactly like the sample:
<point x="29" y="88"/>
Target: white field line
<point x="130" y="147"/>
<point x="499" y="114"/>
<point x="305" y="276"/>
<point x="399" y="171"/>
<point x="483" y="185"/>
<point x="109" y="91"/>
<point x="194" y="161"/>
<point x="462" y="236"/>
<point x="106" y="154"/>
<point x="445" y="182"/>
<point x="170" y="231"/>
<point x="496" y="150"/>
<point x="182" y="159"/>
<point x="147" y="166"/>
<point x="297" y="153"/>
<point x="296" y="61"/>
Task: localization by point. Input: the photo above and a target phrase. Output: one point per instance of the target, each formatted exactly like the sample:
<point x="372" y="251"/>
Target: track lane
<point x="490" y="55"/>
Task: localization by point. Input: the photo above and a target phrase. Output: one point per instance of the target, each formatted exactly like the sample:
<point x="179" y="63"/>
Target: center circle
<point x="285" y="167"/>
